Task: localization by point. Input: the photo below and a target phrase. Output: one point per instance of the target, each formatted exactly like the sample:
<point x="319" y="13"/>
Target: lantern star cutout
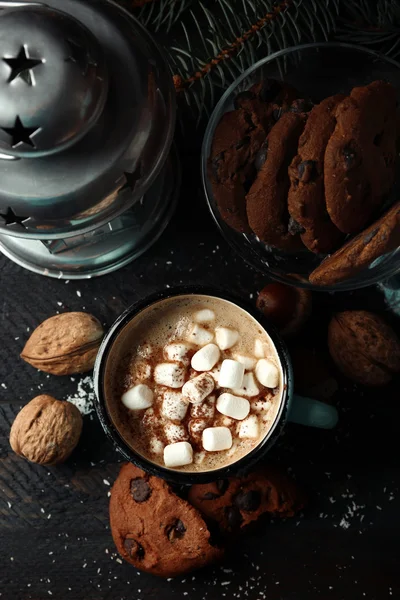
<point x="21" y="66"/>
<point x="10" y="218"/>
<point x="80" y="56"/>
<point x="20" y="133"/>
<point x="130" y="181"/>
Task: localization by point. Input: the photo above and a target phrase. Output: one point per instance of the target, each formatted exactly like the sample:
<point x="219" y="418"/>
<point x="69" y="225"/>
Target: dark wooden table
<point x="54" y="531"/>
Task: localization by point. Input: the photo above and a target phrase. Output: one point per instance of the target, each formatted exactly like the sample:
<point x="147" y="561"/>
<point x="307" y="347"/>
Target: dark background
<point x="54" y="531"/>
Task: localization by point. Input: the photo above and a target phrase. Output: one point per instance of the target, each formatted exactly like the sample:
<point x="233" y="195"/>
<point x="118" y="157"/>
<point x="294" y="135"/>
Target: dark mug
<point x="293" y="408"/>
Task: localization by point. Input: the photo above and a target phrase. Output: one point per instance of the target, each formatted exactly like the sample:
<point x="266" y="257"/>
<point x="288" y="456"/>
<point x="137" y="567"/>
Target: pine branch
<point x="372" y="23"/>
<point x="211" y="42"/>
<point x="228" y="37"/>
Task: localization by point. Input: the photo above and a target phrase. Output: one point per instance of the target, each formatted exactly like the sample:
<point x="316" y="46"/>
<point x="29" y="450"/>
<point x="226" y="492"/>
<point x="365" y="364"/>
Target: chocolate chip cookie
<point x="266" y="201"/>
<point x="236" y="502"/>
<point x="360" y="156"/>
<point x="306" y="200"/>
<point x="237" y="140"/>
<point x="377" y="240"/>
<point x="155" y="530"/>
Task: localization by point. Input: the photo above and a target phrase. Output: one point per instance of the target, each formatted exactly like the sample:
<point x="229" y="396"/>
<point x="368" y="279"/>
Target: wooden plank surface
<point x="54" y="532"/>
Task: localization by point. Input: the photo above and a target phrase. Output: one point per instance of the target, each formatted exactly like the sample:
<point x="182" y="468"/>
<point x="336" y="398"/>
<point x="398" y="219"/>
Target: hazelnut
<point x="287" y="307"/>
<point x="46" y="430"/>
<point x="64" y="344"/>
<point x="364" y="347"/>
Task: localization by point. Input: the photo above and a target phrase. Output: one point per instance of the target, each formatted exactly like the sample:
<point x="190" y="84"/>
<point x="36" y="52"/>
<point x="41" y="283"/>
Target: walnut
<point x="364" y="347"/>
<point x="46" y="430"/>
<point x="64" y="344"/>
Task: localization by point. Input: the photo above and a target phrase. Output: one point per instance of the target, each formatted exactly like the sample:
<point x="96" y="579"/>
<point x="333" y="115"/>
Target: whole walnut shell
<point x="46" y="430"/>
<point x="364" y="347"/>
<point x="64" y="344"/>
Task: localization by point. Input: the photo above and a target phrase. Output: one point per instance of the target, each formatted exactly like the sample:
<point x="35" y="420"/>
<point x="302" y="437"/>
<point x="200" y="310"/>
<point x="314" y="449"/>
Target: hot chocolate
<point x="193" y="383"/>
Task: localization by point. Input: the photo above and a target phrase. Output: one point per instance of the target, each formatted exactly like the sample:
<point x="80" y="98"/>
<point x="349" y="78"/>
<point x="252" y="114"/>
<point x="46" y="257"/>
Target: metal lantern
<point x="87" y="114"/>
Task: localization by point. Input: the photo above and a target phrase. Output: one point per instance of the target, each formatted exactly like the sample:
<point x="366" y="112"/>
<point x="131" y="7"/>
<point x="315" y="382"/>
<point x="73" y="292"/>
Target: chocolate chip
<point x="133" y="548"/>
<point x="244" y="142"/>
<point x="176" y="531"/>
<point x="301" y="105"/>
<point x="140" y="489"/>
<point x="249" y="120"/>
<point x="215" y="165"/>
<point x="370" y="236"/>
<point x="233" y="517"/>
<point x="350" y="157"/>
<point x="294" y="227"/>
<point x="248" y="501"/>
<point x="269" y="90"/>
<point x="242" y="98"/>
<point x="210" y="496"/>
<point x="276" y="114"/>
<point x="307" y="170"/>
<point x="222" y="486"/>
<point x="261" y="156"/>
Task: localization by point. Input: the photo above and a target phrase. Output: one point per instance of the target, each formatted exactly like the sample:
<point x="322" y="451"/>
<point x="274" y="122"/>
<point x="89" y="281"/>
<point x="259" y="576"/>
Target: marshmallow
<point x="178" y="455"/>
<point x="198" y="388"/>
<point x="249" y="387"/>
<point x="267" y="373"/>
<point x="199" y="457"/>
<point x="216" y="439"/>
<point x="231" y="375"/>
<point x="247" y="361"/>
<point x="249" y="428"/>
<point x="215" y="375"/>
<point x="145" y="350"/>
<point x="173" y="406"/>
<point x="204" y="410"/>
<point x="233" y="406"/>
<point x="175" y="432"/>
<point x="261" y="406"/>
<point x="206" y="358"/>
<point x="225" y="337"/>
<point x="142" y="370"/>
<point x="138" y="397"/>
<point x="204" y="316"/>
<point x="259" y="348"/>
<point x="200" y="336"/>
<point x="225" y="422"/>
<point x="177" y="351"/>
<point x="156" y="446"/>
<point x="149" y="419"/>
<point x="196" y="428"/>
<point x="169" y="374"/>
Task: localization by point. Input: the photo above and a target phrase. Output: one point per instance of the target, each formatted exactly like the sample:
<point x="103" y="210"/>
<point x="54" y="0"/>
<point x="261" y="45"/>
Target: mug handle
<point x="313" y="413"/>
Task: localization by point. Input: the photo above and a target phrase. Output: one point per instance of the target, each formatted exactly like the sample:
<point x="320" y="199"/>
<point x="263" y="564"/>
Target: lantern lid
<point x="87" y="115"/>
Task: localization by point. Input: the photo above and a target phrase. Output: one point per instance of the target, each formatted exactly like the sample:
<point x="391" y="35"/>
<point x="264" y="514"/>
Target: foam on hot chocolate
<point x="193" y="369"/>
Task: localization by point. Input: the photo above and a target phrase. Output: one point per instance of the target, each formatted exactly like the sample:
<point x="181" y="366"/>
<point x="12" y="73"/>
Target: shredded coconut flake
<point x="84" y="396"/>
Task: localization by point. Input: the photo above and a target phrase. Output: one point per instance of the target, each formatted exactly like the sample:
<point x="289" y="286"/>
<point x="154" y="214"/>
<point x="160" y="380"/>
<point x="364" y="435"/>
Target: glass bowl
<point x="317" y="71"/>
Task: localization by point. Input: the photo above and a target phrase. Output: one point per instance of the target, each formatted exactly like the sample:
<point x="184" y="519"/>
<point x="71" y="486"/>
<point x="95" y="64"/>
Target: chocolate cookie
<point x="360" y="156"/>
<point x="266" y="201"/>
<point x="236" y="502"/>
<point x="155" y="530"/>
<point x="380" y="238"/>
<point x="306" y="200"/>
